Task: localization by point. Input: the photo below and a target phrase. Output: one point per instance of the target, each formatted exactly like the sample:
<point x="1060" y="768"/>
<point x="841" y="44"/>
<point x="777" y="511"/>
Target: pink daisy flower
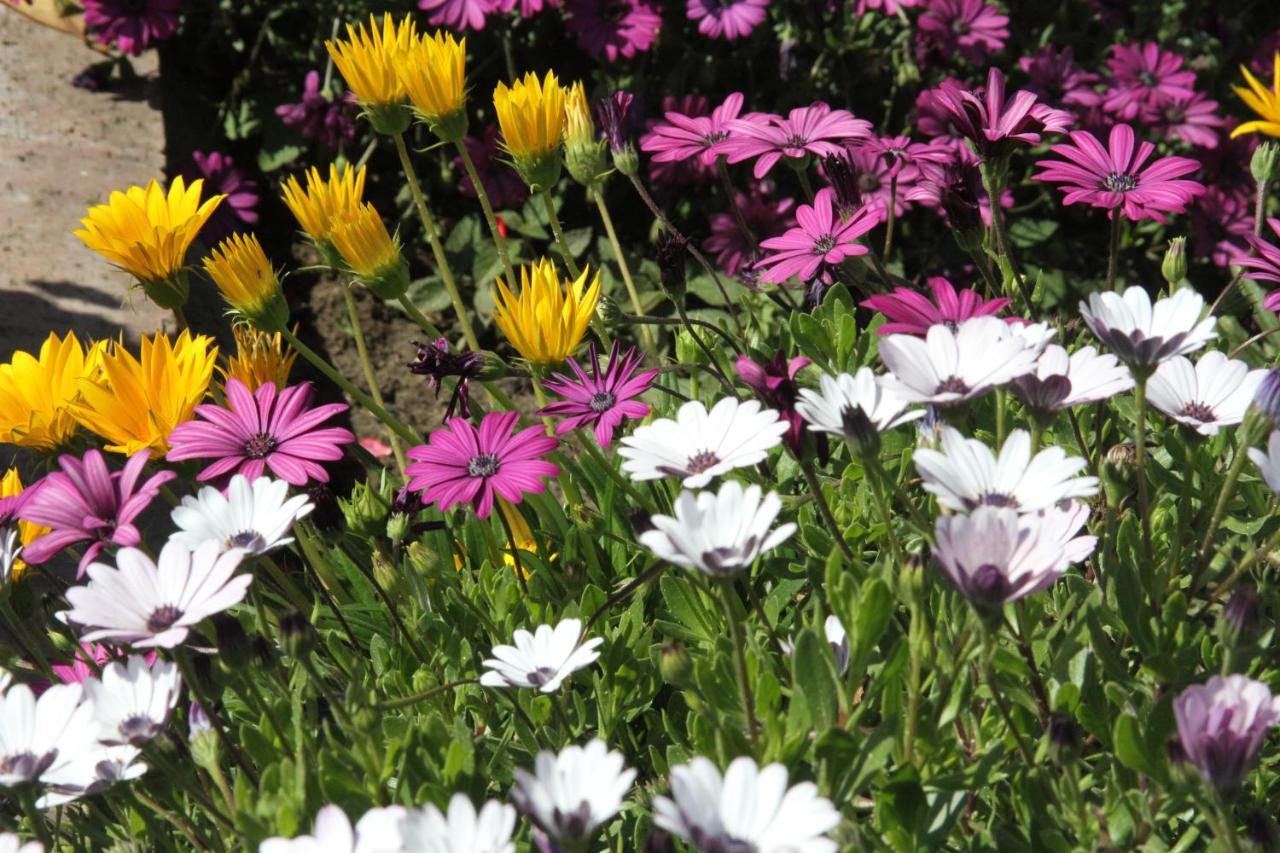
<point x="85" y="502"/>
<point x="765" y="216"/>
<point x="460" y="464"/>
<point x="1144" y="77"/>
<point x="1194" y="120"/>
<point x="955" y="191"/>
<point x="1118" y="179"/>
<point x="527" y="7"/>
<point x="863" y="178"/>
<point x="131" y="25"/>
<point x="1221" y="223"/>
<point x="971" y="28"/>
<point x="727" y="19"/>
<point x="681" y="136"/>
<point x="317" y="117"/>
<point x="614" y="28"/>
<point x="263" y="429"/>
<point x="901" y="153"/>
<point x="775" y="384"/>
<point x="457" y="14"/>
<point x="912" y="313"/>
<point x="503" y="184"/>
<point x="1055" y="78"/>
<point x="819" y="241"/>
<point x="933" y="117"/>
<point x="1265" y="265"/>
<point x="889" y="7"/>
<point x="605" y="400"/>
<point x="994" y="124"/>
<point x="100" y="653"/>
<point x="816" y="129"/>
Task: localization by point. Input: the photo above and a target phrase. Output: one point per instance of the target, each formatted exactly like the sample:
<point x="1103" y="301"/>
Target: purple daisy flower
<point x="889" y="7"/>
<point x="614" y="28"/>
<point x="955" y="191"/>
<point x="912" y="313"/>
<point x="319" y="118"/>
<point x="131" y="26"/>
<point x="994" y="124"/>
<point x="527" y="7"/>
<point x="1222" y="724"/>
<point x="727" y="19"/>
<point x="435" y="362"/>
<point x="765" y="216"/>
<point x="775" y="384"/>
<point x="1222" y="223"/>
<point x="1055" y="78"/>
<point x="690" y="133"/>
<point x="1265" y="264"/>
<point x="239" y="208"/>
<point x="863" y="178"/>
<point x="819" y="241"/>
<point x="505" y="188"/>
<point x="85" y="502"/>
<point x="605" y="400"/>
<point x="1119" y="177"/>
<point x="457" y="14"/>
<point x="1194" y="120"/>
<point x="971" y="28"/>
<point x="1144" y="77"/>
<point x="816" y="129"/>
<point x="263" y="429"/>
<point x="460" y="464"/>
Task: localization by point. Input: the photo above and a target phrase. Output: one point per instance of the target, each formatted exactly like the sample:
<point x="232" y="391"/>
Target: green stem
<point x="1113" y="254"/>
<point x="1140" y="462"/>
<point x="558" y="230"/>
<point x="437" y="248"/>
<point x="593" y="450"/>
<point x="915" y="639"/>
<point x="824" y="509"/>
<point x="27" y="795"/>
<point x="362" y="350"/>
<point x="989" y="672"/>
<point x="499" y="242"/>
<point x="632" y="293"/>
<point x="1226" y="492"/>
<point x="999" y="399"/>
<point x="740" y="667"/>
<point x="215" y="721"/>
<point x="994" y="190"/>
<point x="416" y="315"/>
<point x="404" y="701"/>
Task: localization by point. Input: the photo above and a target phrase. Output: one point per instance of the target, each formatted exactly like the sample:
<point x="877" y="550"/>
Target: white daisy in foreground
<point x="1216" y="392"/>
<point x="1269" y="463"/>
<point x="719" y="533"/>
<point x="995" y="555"/>
<point x="542" y="659"/>
<point x="949" y="367"/>
<point x="133" y="701"/>
<point x="749" y="809"/>
<point x="145" y="605"/>
<point x="11" y="843"/>
<point x="570" y="795"/>
<point x="91" y="772"/>
<point x="461" y="829"/>
<point x="1141" y="334"/>
<point x="39" y="736"/>
<point x="1035" y="335"/>
<point x="839" y="641"/>
<point x="965" y="474"/>
<point x="377" y="832"/>
<point x="256" y="517"/>
<point x="1061" y="381"/>
<point x="699" y="445"/>
<point x="856" y="407"/>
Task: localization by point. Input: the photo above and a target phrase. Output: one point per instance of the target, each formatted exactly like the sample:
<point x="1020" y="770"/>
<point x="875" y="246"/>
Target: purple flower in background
<point x="1265" y="264"/>
<point x="505" y="188"/>
<point x="131" y="26"/>
<point x="1194" y="120"/>
<point x="866" y="180"/>
<point x="600" y="399"/>
<point x="239" y="208"/>
<point x="1221" y="223"/>
<point x="816" y="129"/>
<point x="819" y="241"/>
<point x="995" y="124"/>
<point x="613" y="112"/>
<point x="435" y="362"/>
<point x="1222" y="724"/>
<point x="775" y="384"/>
<point x="727" y="19"/>
<point x="457" y="14"/>
<point x="85" y="502"/>
<point x="913" y="313"/>
<point x="956" y="192"/>
<point x="319" y="118"/>
<point x="1055" y="78"/>
<point x="971" y="28"/>
<point x="765" y="216"/>
<point x="933" y="118"/>
<point x="527" y="7"/>
<point x="1145" y="77"/>
<point x="614" y="28"/>
<point x="889" y="7"/>
<point x="901" y="153"/>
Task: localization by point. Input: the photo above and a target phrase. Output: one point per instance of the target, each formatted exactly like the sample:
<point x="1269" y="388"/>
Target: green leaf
<point x="814" y="676"/>
<point x="1129" y="746"/>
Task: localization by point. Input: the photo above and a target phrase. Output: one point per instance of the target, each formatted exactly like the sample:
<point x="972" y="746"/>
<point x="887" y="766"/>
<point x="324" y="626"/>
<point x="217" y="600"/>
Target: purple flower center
<point x="1120" y="182"/>
<point x="483" y="465"/>
<point x="824" y="244"/>
<point x="954" y="385"/>
<point x="163" y="618"/>
<point x="138" y="727"/>
<point x="248" y="539"/>
<point x="993" y="499"/>
<point x="720" y="844"/>
<point x="1201" y="412"/>
<point x="602" y="402"/>
<point x="702" y="461"/>
<point x="542" y="675"/>
<point x="713" y="137"/>
<point x="868" y="182"/>
<point x="960" y="26"/>
<point x="1146" y="78"/>
<point x="259" y="446"/>
<point x="795" y="140"/>
<point x="25" y="765"/>
<point x="988" y="585"/>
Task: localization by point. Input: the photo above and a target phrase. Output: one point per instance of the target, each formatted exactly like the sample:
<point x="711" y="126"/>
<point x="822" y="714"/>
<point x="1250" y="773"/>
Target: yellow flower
<point x="147" y="232"/>
<point x="324" y="201"/>
<point x="1264" y="102"/>
<point x="546" y="322"/>
<point x="368" y="60"/>
<point x="260" y="358"/>
<point x="36" y="392"/>
<point x="11" y="486"/>
<point x="138" y="401"/>
<point x="240" y="269"/>
<point x="371" y="252"/>
<point x="531" y="115"/>
<point x="584" y="154"/>
<point x="523" y="534"/>
<point x="434" y="75"/>
<point x="579" y="129"/>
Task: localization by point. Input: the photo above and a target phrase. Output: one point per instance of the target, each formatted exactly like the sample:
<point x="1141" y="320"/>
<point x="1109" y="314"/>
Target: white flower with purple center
<point x="133" y="701"/>
<point x="1061" y="381"/>
<point x="1214" y="393"/>
<point x="1143" y="335"/>
<point x="570" y="795"/>
<point x="541" y="660"/>
<point x="953" y="366"/>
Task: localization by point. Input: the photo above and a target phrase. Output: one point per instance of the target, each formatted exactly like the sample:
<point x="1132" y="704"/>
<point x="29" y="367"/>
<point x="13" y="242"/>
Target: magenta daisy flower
<point x="819" y="241"/>
<point x="85" y="502"/>
<point x="460" y="464"/>
<point x="775" y="384"/>
<point x="1118" y="178"/>
<point x="527" y="8"/>
<point x="912" y="313"/>
<point x="1221" y="223"/>
<point x="1265" y="265"/>
<point x="971" y="28"/>
<point x="933" y="117"/>
<point x="603" y="399"/>
<point x="1055" y="78"/>
<point x="727" y="19"/>
<point x="863" y="178"/>
<point x="503" y="184"/>
<point x="614" y="28"/>
<point x="681" y="136"/>
<point x="263" y="429"/>
<point x="319" y="118"/>
<point x="901" y="153"/>
<point x="457" y="14"/>
<point x="765" y="216"/>
<point x="994" y="124"/>
<point x="239" y="210"/>
<point x="1144" y="77"/>
<point x="955" y="191"/>
<point x="131" y="26"/>
<point x="816" y="129"/>
<point x="1194" y="120"/>
<point x="889" y="7"/>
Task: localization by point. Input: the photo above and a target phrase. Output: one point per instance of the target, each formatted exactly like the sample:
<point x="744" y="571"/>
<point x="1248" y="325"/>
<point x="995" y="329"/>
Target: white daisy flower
<point x="965" y="474"/>
<point x="856" y="407"/>
<point x="460" y="830"/>
<point x="1141" y="334"/>
<point x="255" y="517"/>
<point x="750" y="808"/>
<point x="699" y="445"/>
<point x="995" y="555"/>
<point x="542" y="659"/>
<point x="38" y="737"/>
<point x="91" y="772"/>
<point x="11" y="843"/>
<point x="570" y="795"/>
<point x="1036" y="335"/>
<point x="1061" y="381"/>
<point x="839" y="641"/>
<point x="1269" y="463"/>
<point x="133" y="701"/>
<point x="144" y="605"/>
<point x="1216" y="392"/>
<point x="949" y="367"/>
<point x="719" y="533"/>
<point x="377" y="832"/>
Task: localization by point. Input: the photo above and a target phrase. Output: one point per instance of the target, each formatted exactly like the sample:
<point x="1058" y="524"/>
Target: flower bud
<point x="609" y="312"/>
<point x="296" y="634"/>
<point x="203" y="739"/>
<point x="424" y="561"/>
<point x="366" y="510"/>
<point x="626" y="160"/>
<point x="1174" y="266"/>
<point x="584" y="154"/>
<point x="1240" y="616"/>
<point x="1263" y="164"/>
<point x="234" y="649"/>
<point x="671" y="267"/>
<point x="1118" y="472"/>
<point x="675" y="665"/>
<point x="384" y="571"/>
<point x="398" y="526"/>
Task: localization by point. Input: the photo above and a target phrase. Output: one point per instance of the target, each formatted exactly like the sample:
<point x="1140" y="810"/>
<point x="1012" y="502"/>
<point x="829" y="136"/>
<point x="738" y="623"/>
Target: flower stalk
<point x="499" y="242"/>
<point x="362" y="350"/>
<point x="737" y="640"/>
<point x="645" y="333"/>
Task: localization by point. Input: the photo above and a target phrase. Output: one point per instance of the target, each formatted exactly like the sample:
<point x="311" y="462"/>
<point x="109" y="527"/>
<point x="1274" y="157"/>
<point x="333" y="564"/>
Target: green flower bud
<point x="626" y="160"/>
<point x="389" y="119"/>
<point x="1174" y="266"/>
<point x="586" y="162"/>
<point x="366" y="510"/>
<point x="1118" y="472"/>
<point x="675" y="665"/>
<point x="1263" y="164"/>
<point x="609" y="312"/>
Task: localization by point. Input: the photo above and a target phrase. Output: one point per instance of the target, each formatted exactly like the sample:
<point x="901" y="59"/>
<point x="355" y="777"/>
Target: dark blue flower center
<point x="260" y="446"/>
<point x="702" y="461"/>
<point x="1120" y="182"/>
<point x="483" y="465"/>
<point x="163" y="618"/>
<point x="602" y="402"/>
